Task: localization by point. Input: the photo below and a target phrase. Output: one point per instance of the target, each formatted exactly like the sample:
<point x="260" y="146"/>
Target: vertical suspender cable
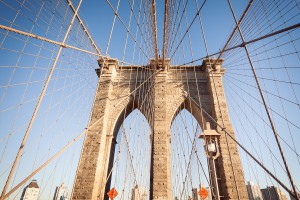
<point x="84" y="28"/>
<point x="232" y="34"/>
<point x="112" y="29"/>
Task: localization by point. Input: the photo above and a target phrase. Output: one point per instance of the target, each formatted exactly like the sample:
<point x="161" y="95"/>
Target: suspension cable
<point x="264" y="102"/>
<point x="37" y="106"/>
<point x="242" y="147"/>
<point x="84" y="28"/>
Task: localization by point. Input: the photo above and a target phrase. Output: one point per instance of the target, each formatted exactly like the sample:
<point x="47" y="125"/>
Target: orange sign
<point x="112" y="193"/>
<point x="203" y="193"/>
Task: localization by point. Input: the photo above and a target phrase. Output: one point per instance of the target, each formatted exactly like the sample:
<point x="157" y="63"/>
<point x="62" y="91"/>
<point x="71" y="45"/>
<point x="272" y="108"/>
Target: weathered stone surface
<point x="159" y="97"/>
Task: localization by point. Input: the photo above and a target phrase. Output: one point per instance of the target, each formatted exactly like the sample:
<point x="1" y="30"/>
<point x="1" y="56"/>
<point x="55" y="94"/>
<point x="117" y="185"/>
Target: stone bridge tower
<point x="164" y="91"/>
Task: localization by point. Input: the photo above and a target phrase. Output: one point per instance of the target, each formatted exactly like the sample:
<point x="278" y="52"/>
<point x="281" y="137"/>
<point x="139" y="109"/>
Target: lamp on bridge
<point x="211" y="146"/>
<point x="211" y="138"/>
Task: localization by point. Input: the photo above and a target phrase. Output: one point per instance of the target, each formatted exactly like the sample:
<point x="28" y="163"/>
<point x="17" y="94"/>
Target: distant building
<point x="273" y="193"/>
<point x="139" y="193"/>
<point x="31" y="191"/>
<point x="61" y="193"/>
<point x="254" y="192"/>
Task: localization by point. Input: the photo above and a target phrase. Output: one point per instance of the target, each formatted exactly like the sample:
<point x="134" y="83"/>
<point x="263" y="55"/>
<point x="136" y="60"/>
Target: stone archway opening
<point x="189" y="169"/>
<point x="129" y="172"/>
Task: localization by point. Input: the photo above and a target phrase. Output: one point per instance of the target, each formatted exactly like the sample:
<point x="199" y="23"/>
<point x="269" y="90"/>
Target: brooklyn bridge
<point x="173" y="99"/>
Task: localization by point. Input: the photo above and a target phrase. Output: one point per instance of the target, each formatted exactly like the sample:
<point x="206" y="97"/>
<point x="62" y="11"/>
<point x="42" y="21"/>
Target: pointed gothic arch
<point x="164" y="92"/>
<point x="194" y="110"/>
<point x="118" y="121"/>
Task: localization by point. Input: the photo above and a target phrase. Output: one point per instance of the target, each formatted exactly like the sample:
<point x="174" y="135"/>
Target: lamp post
<point x="210" y="138"/>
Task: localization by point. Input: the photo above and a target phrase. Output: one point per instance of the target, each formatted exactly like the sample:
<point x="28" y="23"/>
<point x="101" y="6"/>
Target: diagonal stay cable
<point x="267" y="79"/>
<point x="188" y="29"/>
<point x="84" y="28"/>
<point x="258" y="115"/>
<point x="234" y="30"/>
<point x="112" y="29"/>
<point x="127" y="29"/>
<point x="295" y="26"/>
<point x="265" y="104"/>
<point x="129" y="153"/>
<point x="173" y="25"/>
<point x="243" y="148"/>
<point x="38" y="105"/>
<point x="45" y="39"/>
<point x="236" y="93"/>
<point x="139" y="28"/>
<point x="193" y="142"/>
<point x="134" y="121"/>
<point x="4" y="196"/>
<point x="266" y="91"/>
<point x="179" y="24"/>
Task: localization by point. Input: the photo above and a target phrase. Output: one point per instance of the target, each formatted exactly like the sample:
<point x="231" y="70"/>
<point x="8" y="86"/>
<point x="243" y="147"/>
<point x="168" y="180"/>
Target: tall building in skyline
<point x="31" y="191"/>
<point x="139" y="193"/>
<point x="254" y="191"/>
<point x="61" y="192"/>
<point x="273" y="193"/>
